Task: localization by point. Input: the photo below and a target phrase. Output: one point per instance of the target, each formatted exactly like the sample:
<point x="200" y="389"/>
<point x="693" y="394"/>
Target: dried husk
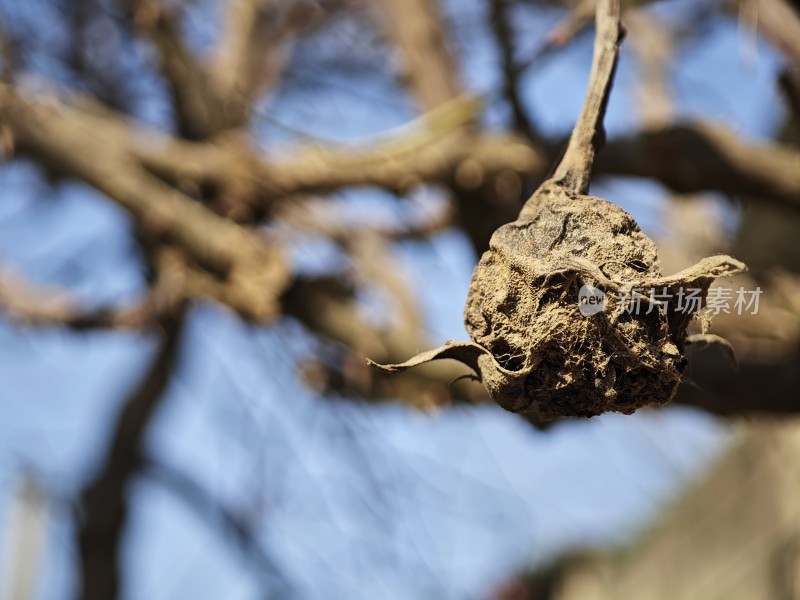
<point x="532" y="347"/>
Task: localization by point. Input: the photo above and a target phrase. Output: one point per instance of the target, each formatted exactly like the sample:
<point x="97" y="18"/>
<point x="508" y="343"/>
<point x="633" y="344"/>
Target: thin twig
<point x="575" y="169"/>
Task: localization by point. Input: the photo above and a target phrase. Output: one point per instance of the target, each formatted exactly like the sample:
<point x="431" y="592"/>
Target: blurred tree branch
<point x="103" y="512"/>
<point x="30" y="305"/>
<point x="95" y="149"/>
<point x="503" y="28"/>
<point x="211" y="510"/>
<point x="777" y="20"/>
<point x="255" y="45"/>
<point x="199" y="108"/>
<point x="694" y="157"/>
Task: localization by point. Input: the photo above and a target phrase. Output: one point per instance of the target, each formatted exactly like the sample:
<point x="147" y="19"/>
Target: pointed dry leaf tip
<point x="465" y="352"/>
<point x="533" y="348"/>
<point x="505" y="386"/>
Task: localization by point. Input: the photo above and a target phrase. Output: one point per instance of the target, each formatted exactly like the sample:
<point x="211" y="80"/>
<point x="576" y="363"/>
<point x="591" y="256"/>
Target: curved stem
<point x="575" y="168"/>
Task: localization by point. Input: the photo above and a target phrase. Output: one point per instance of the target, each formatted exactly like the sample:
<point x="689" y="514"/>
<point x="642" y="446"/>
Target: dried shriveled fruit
<point x="532" y="347"/>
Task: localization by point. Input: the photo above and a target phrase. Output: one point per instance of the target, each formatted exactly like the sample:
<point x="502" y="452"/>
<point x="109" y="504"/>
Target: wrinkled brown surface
<point x="532" y="347"/>
<point x="523" y="308"/>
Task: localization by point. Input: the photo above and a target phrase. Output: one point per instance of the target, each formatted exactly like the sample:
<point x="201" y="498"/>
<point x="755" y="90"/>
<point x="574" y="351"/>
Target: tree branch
<point x="425" y="152"/>
<point x="96" y="149"/>
<point x="31" y="305"/>
<point x="198" y="108"/>
<point x="254" y="47"/>
<point x="418" y="33"/>
<point x="697" y="157"/>
<point x="104" y="505"/>
<point x="502" y="27"/>
<point x="652" y="43"/>
<point x="755" y="388"/>
<point x="789" y="82"/>
<point x="777" y="20"/>
<point x="212" y="511"/>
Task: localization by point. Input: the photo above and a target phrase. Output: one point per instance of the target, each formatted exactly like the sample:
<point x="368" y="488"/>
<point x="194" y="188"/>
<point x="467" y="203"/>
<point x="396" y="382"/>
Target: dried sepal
<point x="505" y="386"/>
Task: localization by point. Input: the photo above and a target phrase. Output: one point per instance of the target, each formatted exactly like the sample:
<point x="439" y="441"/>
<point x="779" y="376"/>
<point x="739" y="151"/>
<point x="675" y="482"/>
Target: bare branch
<point x="30" y="305"/>
<point x="699" y="157"/>
<point x="214" y="512"/>
<point x="777" y="20"/>
<point x="756" y="388"/>
<point x="653" y="45"/>
<point x="197" y="107"/>
<point x="578" y="19"/>
<point x="255" y="45"/>
<point x="320" y="216"/>
<point x="690" y="157"/>
<point x="502" y="26"/>
<point x="789" y="82"/>
<point x="104" y="503"/>
<point x="687" y="158"/>
<point x="418" y="32"/>
<point x="95" y="149"/>
<point x="176" y="282"/>
<point x="424" y="153"/>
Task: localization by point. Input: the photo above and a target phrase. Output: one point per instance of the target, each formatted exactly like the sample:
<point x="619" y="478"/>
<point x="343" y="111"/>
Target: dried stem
<point x="575" y="168"/>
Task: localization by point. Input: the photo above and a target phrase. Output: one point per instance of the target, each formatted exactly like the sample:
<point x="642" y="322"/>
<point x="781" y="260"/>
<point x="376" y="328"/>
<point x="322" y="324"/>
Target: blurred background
<point x="212" y="211"/>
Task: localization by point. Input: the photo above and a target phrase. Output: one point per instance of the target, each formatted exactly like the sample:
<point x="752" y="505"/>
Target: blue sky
<point x="354" y="501"/>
